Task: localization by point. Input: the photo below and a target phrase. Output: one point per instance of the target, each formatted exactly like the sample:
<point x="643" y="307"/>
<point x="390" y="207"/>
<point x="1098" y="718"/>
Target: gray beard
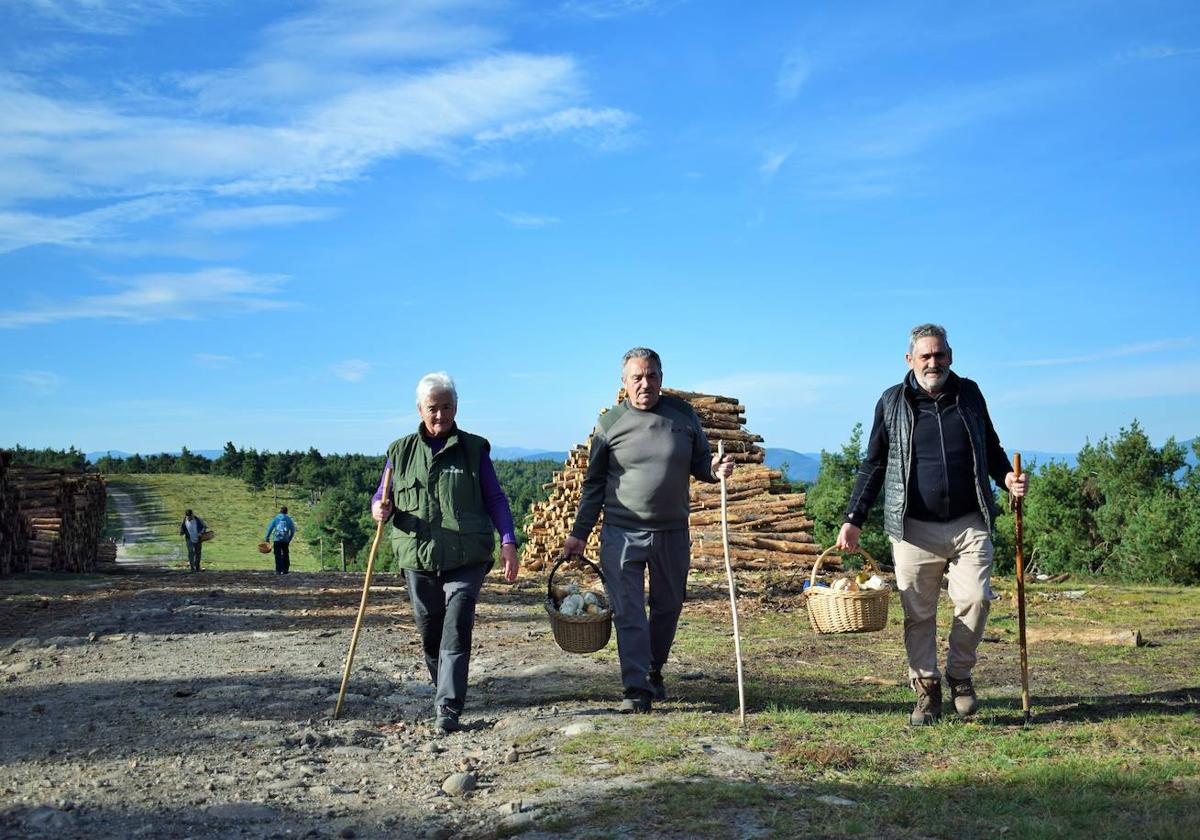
<point x="937" y="384"/>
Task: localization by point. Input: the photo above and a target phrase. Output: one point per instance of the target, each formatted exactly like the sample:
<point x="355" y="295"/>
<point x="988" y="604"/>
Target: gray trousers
<point x="194" y="550"/>
<point x="444" y="609"/>
<point x="643" y="644"/>
<point x="962" y="551"/>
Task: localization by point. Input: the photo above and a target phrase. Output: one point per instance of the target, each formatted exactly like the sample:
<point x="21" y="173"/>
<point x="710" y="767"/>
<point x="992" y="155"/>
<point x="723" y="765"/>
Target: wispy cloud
<point x="263" y="215"/>
<point x="214" y="361"/>
<point x="773" y="161"/>
<point x="527" y="220"/>
<point x="23" y="230"/>
<point x="1114" y="353"/>
<point x="109" y="17"/>
<point x="39" y="381"/>
<point x="794" y="71"/>
<point x="604" y="9"/>
<point x="322" y="98"/>
<point x="352" y="370"/>
<point x="603" y="123"/>
<point x="1155" y="52"/>
<point x="158" y="297"/>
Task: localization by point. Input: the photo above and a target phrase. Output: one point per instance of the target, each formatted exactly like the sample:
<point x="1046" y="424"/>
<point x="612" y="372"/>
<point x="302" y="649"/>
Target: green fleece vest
<point x="439" y="522"/>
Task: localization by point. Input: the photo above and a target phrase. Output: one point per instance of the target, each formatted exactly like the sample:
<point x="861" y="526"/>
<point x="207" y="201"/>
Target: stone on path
<point x="458" y="784"/>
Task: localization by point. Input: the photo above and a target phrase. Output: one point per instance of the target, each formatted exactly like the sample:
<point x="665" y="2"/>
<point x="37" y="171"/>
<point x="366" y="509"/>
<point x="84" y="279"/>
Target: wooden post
<point x="342" y="551"/>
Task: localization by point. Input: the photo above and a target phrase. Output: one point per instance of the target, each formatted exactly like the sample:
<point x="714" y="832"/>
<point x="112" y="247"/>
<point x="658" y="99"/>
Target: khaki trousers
<point x="962" y="550"/>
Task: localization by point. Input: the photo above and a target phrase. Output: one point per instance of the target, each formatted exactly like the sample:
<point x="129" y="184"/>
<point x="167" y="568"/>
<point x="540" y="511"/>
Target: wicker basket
<point x="838" y="611"/>
<point x="577" y="633"/>
<point x="265" y="548"/>
<point x="208" y="535"/>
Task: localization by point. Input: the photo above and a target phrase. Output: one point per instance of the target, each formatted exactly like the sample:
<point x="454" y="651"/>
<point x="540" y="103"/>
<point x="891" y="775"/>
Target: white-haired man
<point x="444" y="504"/>
<point x="932" y="450"/>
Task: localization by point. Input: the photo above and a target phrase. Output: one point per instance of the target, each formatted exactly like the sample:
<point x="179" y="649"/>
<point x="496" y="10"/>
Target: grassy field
<point x="1113" y="749"/>
<point x="236" y="514"/>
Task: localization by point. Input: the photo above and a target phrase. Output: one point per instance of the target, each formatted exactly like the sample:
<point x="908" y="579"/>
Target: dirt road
<point x="161" y="704"/>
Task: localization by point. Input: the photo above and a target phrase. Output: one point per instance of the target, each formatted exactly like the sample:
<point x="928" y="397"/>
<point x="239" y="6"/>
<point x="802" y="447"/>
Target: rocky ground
<point x="156" y="703"/>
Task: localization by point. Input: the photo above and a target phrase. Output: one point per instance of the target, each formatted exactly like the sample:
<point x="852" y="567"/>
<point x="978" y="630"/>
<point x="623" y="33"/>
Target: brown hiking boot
<point x="929" y="702"/>
<point x="963" y="692"/>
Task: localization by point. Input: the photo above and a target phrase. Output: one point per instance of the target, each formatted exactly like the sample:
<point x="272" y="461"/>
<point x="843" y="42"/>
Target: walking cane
<point x="737" y="637"/>
<point x="1017" y="512"/>
<point x="362" y="606"/>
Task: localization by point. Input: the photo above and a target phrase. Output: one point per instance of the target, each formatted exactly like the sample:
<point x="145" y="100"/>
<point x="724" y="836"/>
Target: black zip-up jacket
<point x="932" y="456"/>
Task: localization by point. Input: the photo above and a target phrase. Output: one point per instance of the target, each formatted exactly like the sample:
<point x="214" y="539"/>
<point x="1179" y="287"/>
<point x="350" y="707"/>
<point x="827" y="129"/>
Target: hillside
<point x="237" y="515"/>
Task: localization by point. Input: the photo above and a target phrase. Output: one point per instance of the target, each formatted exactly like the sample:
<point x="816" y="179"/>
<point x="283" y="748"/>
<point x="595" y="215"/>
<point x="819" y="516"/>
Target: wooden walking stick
<point x="737" y="636"/>
<point x="362" y="605"/>
<point x="1017" y="513"/>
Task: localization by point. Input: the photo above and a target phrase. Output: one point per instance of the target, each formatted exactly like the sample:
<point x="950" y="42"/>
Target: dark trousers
<point x="283" y="561"/>
<point x="444" y="609"/>
<point x="193" y="549"/>
<point x="644" y="643"/>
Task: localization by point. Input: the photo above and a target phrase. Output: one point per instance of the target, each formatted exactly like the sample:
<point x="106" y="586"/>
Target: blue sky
<point x="264" y="221"/>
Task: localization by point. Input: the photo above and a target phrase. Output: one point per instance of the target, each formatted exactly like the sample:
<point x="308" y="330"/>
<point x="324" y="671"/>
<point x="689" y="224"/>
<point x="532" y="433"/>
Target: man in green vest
<point x="444" y="503"/>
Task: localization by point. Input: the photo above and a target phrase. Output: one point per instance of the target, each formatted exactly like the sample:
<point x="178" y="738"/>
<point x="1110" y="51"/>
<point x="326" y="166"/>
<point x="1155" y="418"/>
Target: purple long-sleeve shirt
<point x="494" y="499"/>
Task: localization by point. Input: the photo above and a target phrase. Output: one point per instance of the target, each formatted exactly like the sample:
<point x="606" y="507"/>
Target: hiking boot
<point x="929" y="702"/>
<point x="636" y="702"/>
<point x="658" y="689"/>
<point x="447" y="720"/>
<point x="963" y="692"/>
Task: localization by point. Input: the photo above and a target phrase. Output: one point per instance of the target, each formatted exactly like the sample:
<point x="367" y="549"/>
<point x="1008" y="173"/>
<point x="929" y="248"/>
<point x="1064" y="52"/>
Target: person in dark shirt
<point x="933" y="452"/>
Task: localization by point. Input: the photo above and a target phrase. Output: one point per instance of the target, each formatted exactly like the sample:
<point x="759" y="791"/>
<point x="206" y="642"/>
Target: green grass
<point x="1113" y="749"/>
<point x="237" y="515"/>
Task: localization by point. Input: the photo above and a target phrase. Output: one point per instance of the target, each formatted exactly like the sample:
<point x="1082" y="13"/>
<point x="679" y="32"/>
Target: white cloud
<point x="1114" y="353"/>
<point x="322" y="98"/>
<point x="605" y="122"/>
<point x="352" y="370"/>
<point x="263" y="215"/>
<point x="108" y="17"/>
<point x="40" y="381"/>
<point x="22" y="230"/>
<point x="212" y="360"/>
<point x="774" y="160"/>
<point x="1155" y="53"/>
<point x="793" y="73"/>
<point x="528" y="220"/>
<point x="158" y="297"/>
<point x="605" y="9"/>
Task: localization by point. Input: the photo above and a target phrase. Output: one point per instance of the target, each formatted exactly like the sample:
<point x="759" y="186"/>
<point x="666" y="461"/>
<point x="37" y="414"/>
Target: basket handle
<point x="812" y="579"/>
<point x="561" y="560"/>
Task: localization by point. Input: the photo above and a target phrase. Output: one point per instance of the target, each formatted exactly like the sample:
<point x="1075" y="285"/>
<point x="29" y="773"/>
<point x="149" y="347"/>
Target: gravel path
<point x="171" y="705"/>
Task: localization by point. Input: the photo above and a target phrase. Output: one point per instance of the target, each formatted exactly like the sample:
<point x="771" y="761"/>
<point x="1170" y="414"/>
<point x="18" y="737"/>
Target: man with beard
<point x="932" y="450"/>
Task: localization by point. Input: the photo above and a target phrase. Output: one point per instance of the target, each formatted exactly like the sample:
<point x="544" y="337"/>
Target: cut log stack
<point x="63" y="513"/>
<point x="768" y="528"/>
<point x="14" y="529"/>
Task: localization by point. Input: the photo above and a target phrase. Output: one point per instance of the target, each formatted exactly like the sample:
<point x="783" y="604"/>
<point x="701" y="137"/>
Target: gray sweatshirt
<point x="639" y="466"/>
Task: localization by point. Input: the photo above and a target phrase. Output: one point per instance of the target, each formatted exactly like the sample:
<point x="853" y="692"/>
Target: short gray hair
<point x="431" y="383"/>
<point x="927" y="331"/>
<point x="641" y="353"/>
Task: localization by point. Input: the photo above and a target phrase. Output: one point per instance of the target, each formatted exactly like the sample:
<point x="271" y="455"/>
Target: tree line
<point x="1126" y="510"/>
<point x="339" y="487"/>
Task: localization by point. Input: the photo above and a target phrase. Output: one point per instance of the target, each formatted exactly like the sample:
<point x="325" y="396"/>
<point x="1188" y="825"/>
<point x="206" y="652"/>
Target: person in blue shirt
<point x="283" y="529"/>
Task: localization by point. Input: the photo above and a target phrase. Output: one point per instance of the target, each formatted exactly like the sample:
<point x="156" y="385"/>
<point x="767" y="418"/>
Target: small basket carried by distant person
<point x="583" y="633"/>
<point x="207" y="535"/>
<point x="842" y="611"/>
<point x="264" y="547"/>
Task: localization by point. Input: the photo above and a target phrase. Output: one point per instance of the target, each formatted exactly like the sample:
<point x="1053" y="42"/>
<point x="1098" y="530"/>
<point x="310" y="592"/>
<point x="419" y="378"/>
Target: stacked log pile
<point x="768" y="528"/>
<point x="63" y="511"/>
<point x="14" y="530"/>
